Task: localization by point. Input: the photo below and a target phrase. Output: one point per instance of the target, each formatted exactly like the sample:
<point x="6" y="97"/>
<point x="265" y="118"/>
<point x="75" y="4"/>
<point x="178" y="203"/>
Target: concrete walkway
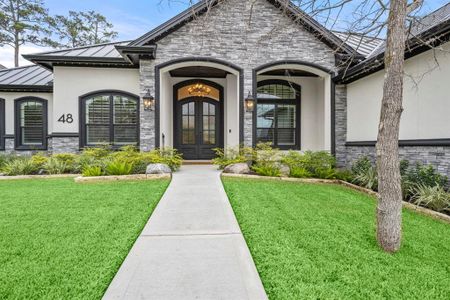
<point x="191" y="248"/>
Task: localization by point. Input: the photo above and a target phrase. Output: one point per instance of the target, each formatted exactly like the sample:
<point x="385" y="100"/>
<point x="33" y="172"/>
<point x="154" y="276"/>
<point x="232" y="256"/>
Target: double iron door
<point x="198" y="127"/>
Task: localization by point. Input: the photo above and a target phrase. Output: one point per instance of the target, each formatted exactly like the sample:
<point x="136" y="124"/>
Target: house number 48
<point x="66" y="118"/>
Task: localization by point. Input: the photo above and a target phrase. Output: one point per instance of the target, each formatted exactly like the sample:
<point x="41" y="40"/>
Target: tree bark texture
<point x="389" y="210"/>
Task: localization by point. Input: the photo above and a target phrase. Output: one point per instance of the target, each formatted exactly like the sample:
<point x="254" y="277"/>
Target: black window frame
<point x="276" y="102"/>
<point x="18" y="132"/>
<point x="2" y="124"/>
<point x="110" y="94"/>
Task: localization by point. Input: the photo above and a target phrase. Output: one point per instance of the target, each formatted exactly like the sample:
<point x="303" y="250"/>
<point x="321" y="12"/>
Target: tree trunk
<point x="16" y="54"/>
<point x="389" y="217"/>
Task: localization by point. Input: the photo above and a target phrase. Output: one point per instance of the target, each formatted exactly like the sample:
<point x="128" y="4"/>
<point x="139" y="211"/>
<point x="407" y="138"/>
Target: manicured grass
<point x="61" y="240"/>
<point x="318" y="242"/>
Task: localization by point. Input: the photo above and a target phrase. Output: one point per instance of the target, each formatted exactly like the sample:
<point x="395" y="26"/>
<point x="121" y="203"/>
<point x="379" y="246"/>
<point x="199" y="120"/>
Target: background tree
<point x="81" y="29"/>
<point x="23" y="21"/>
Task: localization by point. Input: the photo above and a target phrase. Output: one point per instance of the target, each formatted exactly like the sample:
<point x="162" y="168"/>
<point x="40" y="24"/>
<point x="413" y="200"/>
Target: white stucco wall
<point x="72" y="82"/>
<point x="9" y="108"/>
<point x="426" y="100"/>
<point x="312" y="111"/>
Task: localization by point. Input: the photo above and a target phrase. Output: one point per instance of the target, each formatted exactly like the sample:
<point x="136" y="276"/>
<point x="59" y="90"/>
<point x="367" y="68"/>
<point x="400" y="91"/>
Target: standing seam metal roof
<point x="33" y="75"/>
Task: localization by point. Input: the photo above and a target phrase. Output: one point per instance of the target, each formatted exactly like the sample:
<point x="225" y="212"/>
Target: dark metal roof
<point x="2" y="67"/>
<point x="205" y="5"/>
<point x="96" y="55"/>
<point x="424" y="34"/>
<point x="364" y="45"/>
<point x="32" y="77"/>
<point x="99" y="50"/>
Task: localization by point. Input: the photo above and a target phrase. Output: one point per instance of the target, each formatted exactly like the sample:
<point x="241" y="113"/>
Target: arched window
<point x="109" y="118"/>
<point x="278" y="114"/>
<point x="2" y="124"/>
<point x="31" y="123"/>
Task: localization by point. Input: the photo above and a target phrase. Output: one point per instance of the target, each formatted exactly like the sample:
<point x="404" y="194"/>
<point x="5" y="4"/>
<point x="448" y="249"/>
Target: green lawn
<point x="61" y="240"/>
<point x="318" y="242"/>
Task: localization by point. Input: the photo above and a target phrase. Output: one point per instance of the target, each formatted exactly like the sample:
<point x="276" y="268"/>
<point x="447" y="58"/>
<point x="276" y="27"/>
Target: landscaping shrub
<point x="432" y="197"/>
<point x="55" y="166"/>
<point x="19" y="166"/>
<point x="97" y="152"/>
<point x="299" y="172"/>
<point x="319" y="164"/>
<point x="267" y="160"/>
<point x="69" y="159"/>
<point x="365" y="174"/>
<point x="38" y="161"/>
<point x="4" y="159"/>
<point x="420" y="176"/>
<point x="229" y="156"/>
<point x="93" y="171"/>
<point x="344" y="175"/>
<point x="170" y="157"/>
<point x="119" y="168"/>
<point x="267" y="170"/>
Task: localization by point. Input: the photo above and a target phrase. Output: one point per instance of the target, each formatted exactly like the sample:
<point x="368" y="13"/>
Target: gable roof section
<point x="100" y="55"/>
<point x="424" y="34"/>
<point x="205" y="5"/>
<point x="364" y="45"/>
<point x="29" y="78"/>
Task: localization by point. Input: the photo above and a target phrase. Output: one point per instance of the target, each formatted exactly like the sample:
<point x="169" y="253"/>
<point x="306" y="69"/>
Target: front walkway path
<point x="191" y="248"/>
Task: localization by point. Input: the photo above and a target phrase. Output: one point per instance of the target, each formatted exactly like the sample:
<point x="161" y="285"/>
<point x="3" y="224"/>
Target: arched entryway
<point x="198" y="118"/>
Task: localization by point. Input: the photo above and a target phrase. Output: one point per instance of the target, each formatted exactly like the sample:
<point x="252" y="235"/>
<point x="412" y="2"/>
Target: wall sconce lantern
<point x="249" y="103"/>
<point x="149" y="101"/>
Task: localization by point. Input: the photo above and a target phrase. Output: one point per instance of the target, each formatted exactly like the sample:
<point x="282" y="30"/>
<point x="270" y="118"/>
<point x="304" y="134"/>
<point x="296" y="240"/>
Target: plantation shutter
<point x="111" y="119"/>
<point x="32" y="123"/>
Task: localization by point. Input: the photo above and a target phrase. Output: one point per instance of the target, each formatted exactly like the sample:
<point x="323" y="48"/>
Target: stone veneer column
<point x="248" y="116"/>
<point x="147" y="118"/>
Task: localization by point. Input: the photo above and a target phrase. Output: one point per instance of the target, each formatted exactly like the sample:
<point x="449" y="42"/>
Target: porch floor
<point x="191" y="248"/>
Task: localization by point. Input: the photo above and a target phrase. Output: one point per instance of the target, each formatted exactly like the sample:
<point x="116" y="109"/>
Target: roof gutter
<point x="48" y="61"/>
<point x="26" y="88"/>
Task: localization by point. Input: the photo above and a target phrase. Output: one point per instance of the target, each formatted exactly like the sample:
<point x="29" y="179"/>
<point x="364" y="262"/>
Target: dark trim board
<point x="405" y="143"/>
<point x="82" y="116"/>
<point x="64" y="135"/>
<point x="26" y="88"/>
<point x="18" y="134"/>
<point x="2" y="124"/>
<point x="197" y="59"/>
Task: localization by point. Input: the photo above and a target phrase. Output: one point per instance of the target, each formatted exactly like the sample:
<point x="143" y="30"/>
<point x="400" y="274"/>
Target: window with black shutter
<point x="278" y="114"/>
<point x="2" y="124"/>
<point x="31" y="123"/>
<point x="109" y="118"/>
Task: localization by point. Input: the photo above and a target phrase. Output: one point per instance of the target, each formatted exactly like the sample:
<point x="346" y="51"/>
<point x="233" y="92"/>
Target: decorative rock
<point x="158" y="169"/>
<point x="240" y="168"/>
<point x="285" y="171"/>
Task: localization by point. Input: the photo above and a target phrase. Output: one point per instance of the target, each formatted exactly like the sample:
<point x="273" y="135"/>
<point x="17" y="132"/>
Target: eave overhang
<point x="26" y="88"/>
<point x="133" y="54"/>
<point x="49" y="61"/>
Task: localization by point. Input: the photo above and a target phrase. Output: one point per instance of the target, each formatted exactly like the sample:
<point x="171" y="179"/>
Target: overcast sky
<point x="131" y="18"/>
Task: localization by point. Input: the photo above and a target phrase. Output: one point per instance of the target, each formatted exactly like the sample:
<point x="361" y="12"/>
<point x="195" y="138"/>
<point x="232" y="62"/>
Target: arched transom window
<point x="278" y="114"/>
<point x="198" y="90"/>
<point x="110" y="118"/>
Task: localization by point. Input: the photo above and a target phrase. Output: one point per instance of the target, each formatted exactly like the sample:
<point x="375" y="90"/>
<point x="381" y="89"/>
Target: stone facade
<point x="438" y="156"/>
<point x="64" y="145"/>
<point x="247" y="34"/>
